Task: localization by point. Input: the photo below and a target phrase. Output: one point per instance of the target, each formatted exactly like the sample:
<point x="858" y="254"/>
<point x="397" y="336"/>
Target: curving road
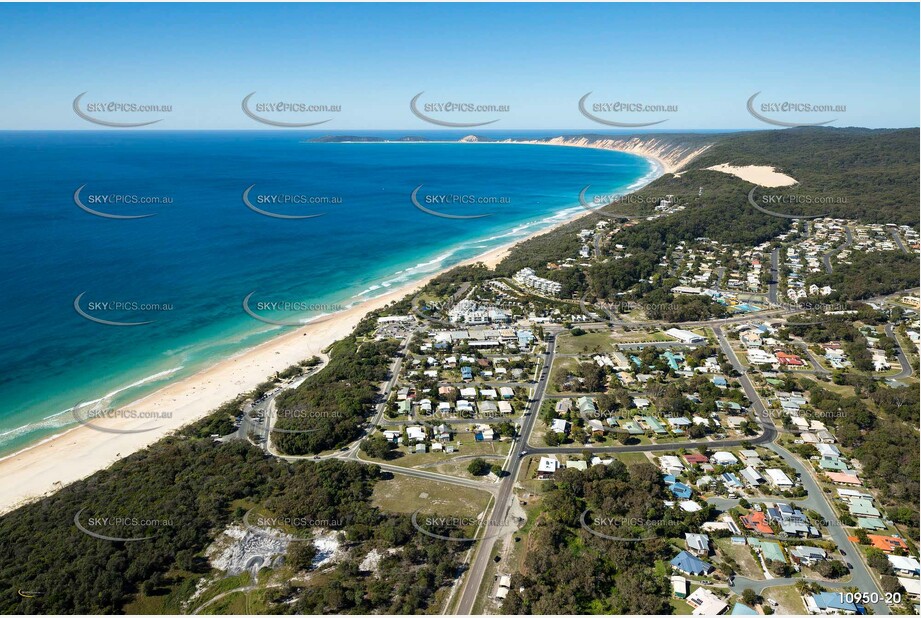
<point x="907" y="371"/>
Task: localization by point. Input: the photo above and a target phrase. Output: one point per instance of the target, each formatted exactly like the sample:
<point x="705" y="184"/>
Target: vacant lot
<point x="464" y="452"/>
<point x="745" y="563"/>
<point x="589" y="343"/>
<point x="791" y="603"/>
<point x="403" y="494"/>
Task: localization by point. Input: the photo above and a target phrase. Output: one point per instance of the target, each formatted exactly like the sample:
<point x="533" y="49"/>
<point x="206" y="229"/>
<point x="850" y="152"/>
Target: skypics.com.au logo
<point x="87" y="413"/>
<point x="443" y="201"/>
<point x="93" y="203"/>
<point x="455" y="109"/>
<point x="625" y="529"/>
<point x="105" y="113"/>
<point x="620" y="109"/>
<point x="774" y="204"/>
<point x="121" y="528"/>
<point x="456" y="529"/>
<point x="781" y="113"/>
<point x="282" y="113"/>
<point x="251" y="307"/>
<point x="288" y="528"/>
<point x="269" y="205"/>
<point x="117" y="308"/>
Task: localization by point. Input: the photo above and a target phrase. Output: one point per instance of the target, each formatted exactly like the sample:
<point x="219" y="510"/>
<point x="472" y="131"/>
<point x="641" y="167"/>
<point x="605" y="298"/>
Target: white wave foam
<point x="64" y="418"/>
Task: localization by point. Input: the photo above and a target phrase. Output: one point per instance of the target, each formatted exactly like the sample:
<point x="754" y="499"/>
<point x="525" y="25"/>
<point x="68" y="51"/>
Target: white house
<point x="706" y="603"/>
<point x="547" y="466"/>
<point x="560" y="426"/>
<point x="778" y="478"/>
<point x="723" y="458"/>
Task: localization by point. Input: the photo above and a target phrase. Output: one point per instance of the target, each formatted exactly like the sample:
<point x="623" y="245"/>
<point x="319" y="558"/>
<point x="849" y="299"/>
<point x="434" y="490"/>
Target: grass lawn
<point x="589" y="343"/>
<point x="485" y="598"/>
<point x="403" y="494"/>
<point x="631" y="459"/>
<point x="526" y="476"/>
<point x="788" y="597"/>
<point x="518" y="551"/>
<point x="640" y="336"/>
<point x="681" y="607"/>
<point x="239" y="603"/>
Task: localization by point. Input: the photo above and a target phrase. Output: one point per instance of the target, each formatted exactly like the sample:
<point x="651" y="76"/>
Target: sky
<point x="701" y="61"/>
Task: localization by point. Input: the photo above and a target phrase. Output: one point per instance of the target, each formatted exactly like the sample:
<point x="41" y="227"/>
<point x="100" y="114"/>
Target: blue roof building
<point x="688" y="563"/>
<point x="825" y="601"/>
<point x="680" y="490"/>
<point x="741" y="609"/>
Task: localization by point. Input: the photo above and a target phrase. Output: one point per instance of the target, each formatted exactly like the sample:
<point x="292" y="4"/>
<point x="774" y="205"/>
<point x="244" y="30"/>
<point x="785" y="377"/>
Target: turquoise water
<point x="204" y="251"/>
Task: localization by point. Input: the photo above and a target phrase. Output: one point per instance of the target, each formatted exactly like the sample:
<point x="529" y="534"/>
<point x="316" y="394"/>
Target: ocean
<point x="179" y="276"/>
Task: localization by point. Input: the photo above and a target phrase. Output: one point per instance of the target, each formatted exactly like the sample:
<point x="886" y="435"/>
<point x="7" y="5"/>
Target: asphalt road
<point x="900" y="354"/>
<point x="849" y="239"/>
<point x="898" y="240"/>
<point x="860" y="575"/>
<point x="474" y="577"/>
<point x="775" y="276"/>
<point x="819" y="369"/>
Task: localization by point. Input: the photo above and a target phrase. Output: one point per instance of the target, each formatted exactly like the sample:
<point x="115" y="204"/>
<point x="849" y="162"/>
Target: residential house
<point x="808" y="556"/>
<point x="689" y="564"/>
<point x="723" y="458"/>
<point x="547" y="467"/>
<point x="905" y="565"/>
<point x="778" y="478"/>
<point x="697" y="544"/>
<point x="706" y="603"/>
<point x="680" y="586"/>
<point x="829" y="603"/>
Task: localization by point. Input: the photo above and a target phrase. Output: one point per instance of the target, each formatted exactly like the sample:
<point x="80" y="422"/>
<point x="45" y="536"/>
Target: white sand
<point x="763" y="175"/>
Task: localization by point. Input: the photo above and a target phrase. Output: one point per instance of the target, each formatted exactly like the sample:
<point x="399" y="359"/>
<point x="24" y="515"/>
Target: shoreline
<point x="35" y="471"/>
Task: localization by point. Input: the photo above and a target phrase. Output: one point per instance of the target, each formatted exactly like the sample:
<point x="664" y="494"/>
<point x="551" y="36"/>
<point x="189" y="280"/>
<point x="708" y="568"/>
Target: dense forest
<point x="329" y="407"/>
<point x="868" y="275"/>
<point x="877" y="170"/>
<point x="569" y="570"/>
<point x="188" y="486"/>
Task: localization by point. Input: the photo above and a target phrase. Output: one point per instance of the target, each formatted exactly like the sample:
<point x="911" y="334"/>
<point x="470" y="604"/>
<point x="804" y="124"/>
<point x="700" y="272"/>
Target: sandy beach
<point x="47" y="466"/>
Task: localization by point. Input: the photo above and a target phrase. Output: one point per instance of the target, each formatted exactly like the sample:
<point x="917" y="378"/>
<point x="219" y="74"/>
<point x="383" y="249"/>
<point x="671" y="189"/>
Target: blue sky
<point x="537" y="59"/>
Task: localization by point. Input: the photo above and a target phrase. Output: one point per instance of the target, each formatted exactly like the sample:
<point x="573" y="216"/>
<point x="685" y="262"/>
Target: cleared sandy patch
<point x="763" y="175"/>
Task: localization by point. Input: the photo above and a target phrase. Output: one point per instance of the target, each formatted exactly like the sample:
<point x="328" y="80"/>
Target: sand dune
<point x="763" y="175"/>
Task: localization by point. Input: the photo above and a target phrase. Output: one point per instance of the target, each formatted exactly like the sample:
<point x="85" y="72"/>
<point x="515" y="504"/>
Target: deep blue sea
<point x="187" y="269"/>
